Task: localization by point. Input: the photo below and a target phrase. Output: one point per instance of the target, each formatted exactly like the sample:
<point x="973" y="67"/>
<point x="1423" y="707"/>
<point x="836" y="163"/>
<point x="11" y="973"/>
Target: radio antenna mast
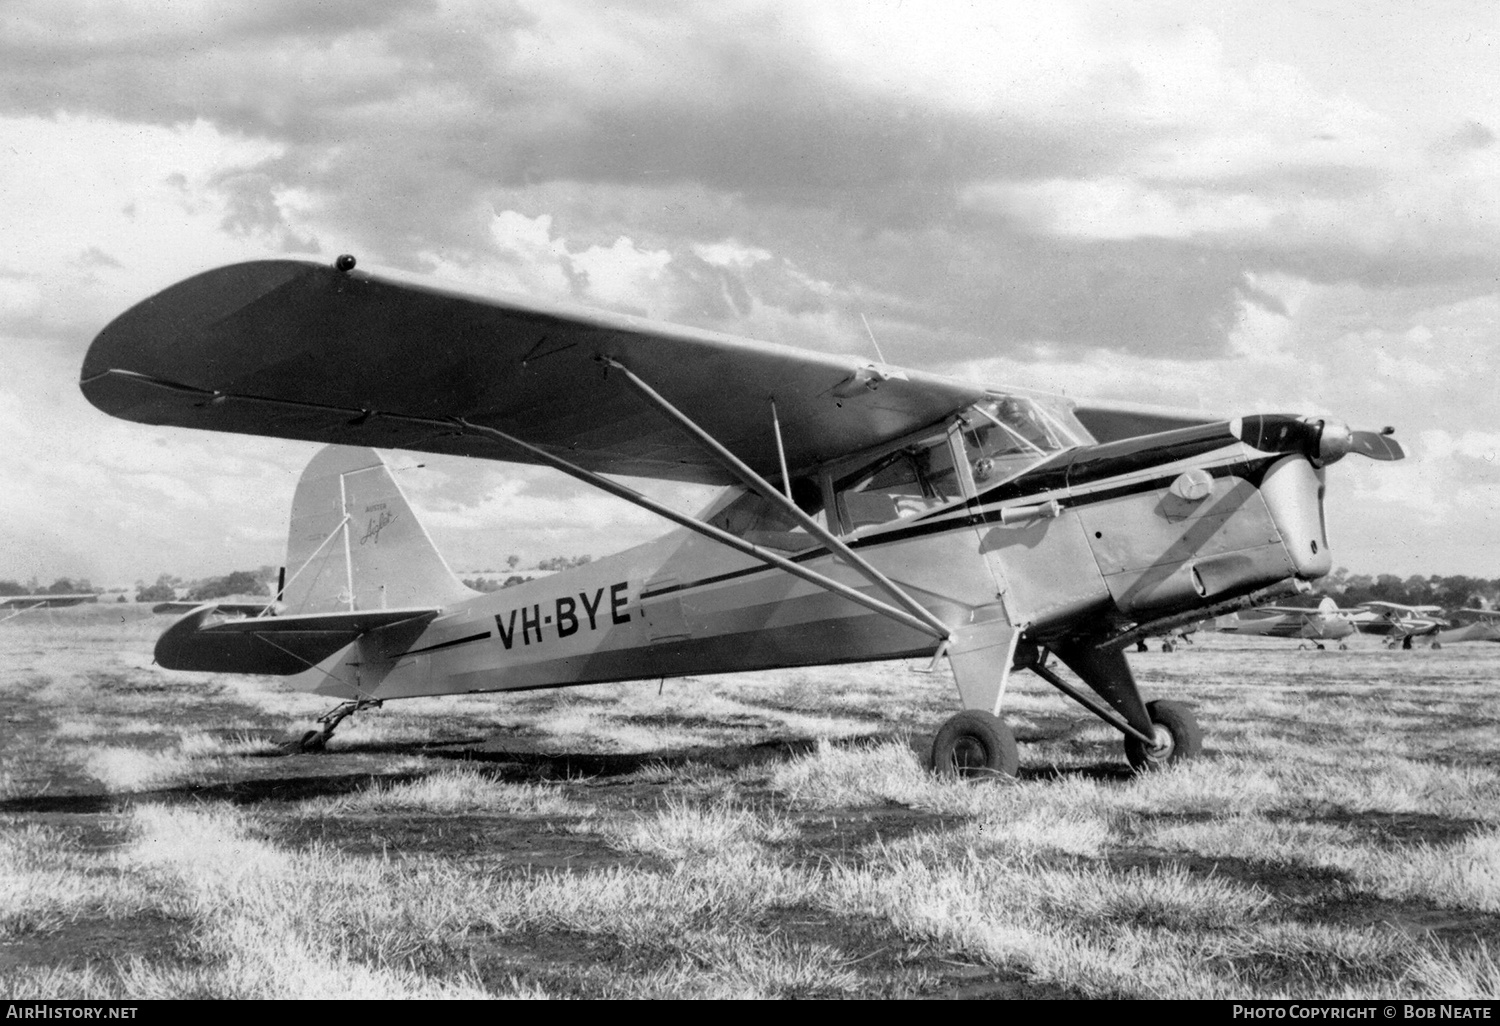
<point x="872" y="337"/>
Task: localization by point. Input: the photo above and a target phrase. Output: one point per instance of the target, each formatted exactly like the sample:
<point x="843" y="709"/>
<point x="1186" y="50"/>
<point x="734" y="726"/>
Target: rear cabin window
<point x="768" y="524"/>
<point x="900" y="484"/>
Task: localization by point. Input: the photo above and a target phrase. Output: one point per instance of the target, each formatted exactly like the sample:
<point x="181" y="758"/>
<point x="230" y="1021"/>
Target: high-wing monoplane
<point x="18" y="604"/>
<point x="1476" y="625"/>
<point x="44" y="601"/>
<point x="1325" y="622"/>
<point x="868" y="512"/>
<point x="1398" y="623"/>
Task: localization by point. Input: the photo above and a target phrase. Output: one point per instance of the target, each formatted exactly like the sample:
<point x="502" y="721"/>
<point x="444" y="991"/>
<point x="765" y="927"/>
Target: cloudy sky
<point x="1226" y="206"/>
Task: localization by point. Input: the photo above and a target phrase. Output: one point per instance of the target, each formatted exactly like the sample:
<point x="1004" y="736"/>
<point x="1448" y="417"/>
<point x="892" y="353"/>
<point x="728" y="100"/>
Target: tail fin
<point x="354" y="543"/>
<point x="1328" y="605"/>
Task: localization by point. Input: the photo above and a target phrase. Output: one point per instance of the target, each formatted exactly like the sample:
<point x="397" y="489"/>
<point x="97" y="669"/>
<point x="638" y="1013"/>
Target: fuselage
<point x="1066" y="540"/>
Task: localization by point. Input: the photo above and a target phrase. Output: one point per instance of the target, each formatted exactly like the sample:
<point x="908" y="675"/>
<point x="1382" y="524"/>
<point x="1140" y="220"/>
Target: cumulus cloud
<point x="1205" y="204"/>
<point x="1106" y="154"/>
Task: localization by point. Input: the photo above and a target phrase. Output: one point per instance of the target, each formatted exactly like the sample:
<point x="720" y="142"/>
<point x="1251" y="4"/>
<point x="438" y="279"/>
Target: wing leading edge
<point x="299" y="350"/>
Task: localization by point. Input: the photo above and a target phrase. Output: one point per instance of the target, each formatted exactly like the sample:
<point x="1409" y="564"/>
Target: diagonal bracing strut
<point x="762" y="487"/>
<point x="708" y="530"/>
<point x="926" y="623"/>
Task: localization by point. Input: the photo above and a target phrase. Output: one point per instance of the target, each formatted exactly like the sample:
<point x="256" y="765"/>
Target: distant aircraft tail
<point x="354" y="543"/>
<point x="1328" y="606"/>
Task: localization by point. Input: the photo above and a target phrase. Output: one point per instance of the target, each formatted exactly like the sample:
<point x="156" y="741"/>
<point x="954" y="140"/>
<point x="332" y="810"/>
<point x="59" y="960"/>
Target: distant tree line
<point x="261" y="582"/>
<point x="61" y="586"/>
<point x="553" y="563"/>
<point x="1455" y="592"/>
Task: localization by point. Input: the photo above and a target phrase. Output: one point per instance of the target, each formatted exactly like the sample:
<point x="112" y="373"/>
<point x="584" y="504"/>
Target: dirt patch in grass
<point x="89" y="941"/>
<point x="71" y="691"/>
<point x="492" y="843"/>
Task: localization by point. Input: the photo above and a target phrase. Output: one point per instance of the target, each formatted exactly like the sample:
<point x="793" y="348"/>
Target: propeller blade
<point x="1375" y="444"/>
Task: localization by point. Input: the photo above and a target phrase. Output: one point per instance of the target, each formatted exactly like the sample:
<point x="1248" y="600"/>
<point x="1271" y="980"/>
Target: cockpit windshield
<point x="1005" y="434"/>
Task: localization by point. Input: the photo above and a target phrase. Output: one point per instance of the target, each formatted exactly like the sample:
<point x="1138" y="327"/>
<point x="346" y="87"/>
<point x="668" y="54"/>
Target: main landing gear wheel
<point x="1178" y="737"/>
<point x="973" y="745"/>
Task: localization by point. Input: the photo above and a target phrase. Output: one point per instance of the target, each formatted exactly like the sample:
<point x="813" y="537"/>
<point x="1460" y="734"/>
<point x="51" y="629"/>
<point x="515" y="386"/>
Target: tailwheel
<point x="317" y="740"/>
<point x="975" y="745"/>
<point x="1178" y="737"/>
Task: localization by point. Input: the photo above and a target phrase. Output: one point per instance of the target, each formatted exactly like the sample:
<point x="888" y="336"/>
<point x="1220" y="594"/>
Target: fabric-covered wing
<point x="1115" y="421"/>
<point x="40" y="601"/>
<point x="301" y="350"/>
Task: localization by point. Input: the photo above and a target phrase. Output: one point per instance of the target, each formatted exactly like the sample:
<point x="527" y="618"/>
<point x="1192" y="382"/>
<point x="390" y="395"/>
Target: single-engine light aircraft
<point x="1398" y="623"/>
<point x="45" y="601"/>
<point x="1476" y="625"/>
<point x="1326" y="622"/>
<point x="26" y="603"/>
<point x="869" y="512"/>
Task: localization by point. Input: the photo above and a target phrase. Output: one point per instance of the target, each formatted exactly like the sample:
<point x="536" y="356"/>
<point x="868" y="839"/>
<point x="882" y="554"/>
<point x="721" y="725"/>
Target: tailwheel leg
<point x="317" y="740"/>
<point x="1177" y="737"/>
<point x="975" y="744"/>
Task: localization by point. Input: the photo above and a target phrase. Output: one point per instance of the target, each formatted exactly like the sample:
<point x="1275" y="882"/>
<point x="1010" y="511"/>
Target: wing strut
<point x="26" y="609"/>
<point x="762" y="487"/>
<point x="926" y="623"/>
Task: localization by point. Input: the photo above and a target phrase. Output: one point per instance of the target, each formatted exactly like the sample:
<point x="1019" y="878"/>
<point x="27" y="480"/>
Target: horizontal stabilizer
<point x="278" y="645"/>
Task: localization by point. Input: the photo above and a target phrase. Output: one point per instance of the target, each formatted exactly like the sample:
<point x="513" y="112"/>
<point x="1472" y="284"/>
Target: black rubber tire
<point x="1178" y="734"/>
<point x="313" y="741"/>
<point x="1167" y="646"/>
<point x="975" y="745"/>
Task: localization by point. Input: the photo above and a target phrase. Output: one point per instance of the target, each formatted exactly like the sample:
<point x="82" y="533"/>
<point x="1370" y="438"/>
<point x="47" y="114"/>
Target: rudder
<point x="355" y="544"/>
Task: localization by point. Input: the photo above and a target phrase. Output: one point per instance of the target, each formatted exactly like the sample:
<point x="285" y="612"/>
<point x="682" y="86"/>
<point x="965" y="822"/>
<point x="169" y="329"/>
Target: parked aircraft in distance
<point x="868" y="512"/>
<point x="1479" y="625"/>
<point x="1399" y="624"/>
<point x="25" y="603"/>
<point x="1325" y="622"/>
<point x="45" y="601"/>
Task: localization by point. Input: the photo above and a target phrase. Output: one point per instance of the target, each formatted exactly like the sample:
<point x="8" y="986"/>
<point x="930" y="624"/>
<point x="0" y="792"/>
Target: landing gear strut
<point x="317" y="740"/>
<point x="976" y="743"/>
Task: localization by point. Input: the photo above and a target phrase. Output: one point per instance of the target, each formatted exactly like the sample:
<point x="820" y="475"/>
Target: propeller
<point x="1337" y="440"/>
<point x="1378" y="445"/>
<point x="1322" y="441"/>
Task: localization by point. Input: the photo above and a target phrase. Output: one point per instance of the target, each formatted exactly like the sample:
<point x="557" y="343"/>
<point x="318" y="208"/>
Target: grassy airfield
<point x="767" y="834"/>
